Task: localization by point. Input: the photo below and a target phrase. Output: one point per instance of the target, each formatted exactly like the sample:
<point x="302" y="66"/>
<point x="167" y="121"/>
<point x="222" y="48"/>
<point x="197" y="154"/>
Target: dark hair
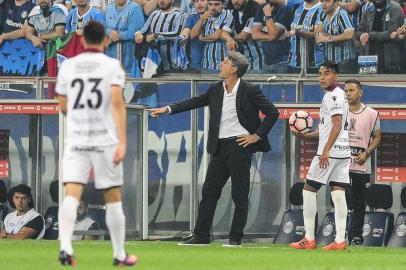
<point x="356" y="82"/>
<point x="239" y="61"/>
<point x="333" y="67"/>
<point x="94" y="32"/>
<point x="3" y="191"/>
<point x="54" y="191"/>
<point x="222" y="1"/>
<point x="23" y="189"/>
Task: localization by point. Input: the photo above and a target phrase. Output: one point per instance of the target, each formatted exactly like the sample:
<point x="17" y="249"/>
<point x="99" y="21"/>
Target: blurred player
<point x="89" y="88"/>
<point x="332" y="162"/>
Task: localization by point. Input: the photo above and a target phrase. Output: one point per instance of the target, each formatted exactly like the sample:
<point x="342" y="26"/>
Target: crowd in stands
<point x="272" y="34"/>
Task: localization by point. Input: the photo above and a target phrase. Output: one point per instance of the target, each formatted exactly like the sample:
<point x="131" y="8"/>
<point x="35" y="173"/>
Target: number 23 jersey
<point x="334" y="103"/>
<point x="86" y="81"/>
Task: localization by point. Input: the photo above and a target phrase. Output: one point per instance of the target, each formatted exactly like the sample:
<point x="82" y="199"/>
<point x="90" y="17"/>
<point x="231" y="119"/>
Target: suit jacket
<point x="249" y="102"/>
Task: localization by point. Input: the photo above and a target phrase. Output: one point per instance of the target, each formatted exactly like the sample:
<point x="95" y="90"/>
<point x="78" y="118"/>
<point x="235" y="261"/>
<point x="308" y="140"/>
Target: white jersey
<point x="86" y="80"/>
<point x="13" y="223"/>
<point x="334" y="103"/>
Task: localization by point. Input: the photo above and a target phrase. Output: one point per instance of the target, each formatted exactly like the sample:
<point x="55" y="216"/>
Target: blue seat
<point x="398" y="237"/>
<point x="327" y="230"/>
<point x="378" y="223"/>
<point x="292" y="228"/>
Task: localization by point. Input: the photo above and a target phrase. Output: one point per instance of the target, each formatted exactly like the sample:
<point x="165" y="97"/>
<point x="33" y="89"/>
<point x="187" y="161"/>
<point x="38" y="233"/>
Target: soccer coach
<point x="235" y="133"/>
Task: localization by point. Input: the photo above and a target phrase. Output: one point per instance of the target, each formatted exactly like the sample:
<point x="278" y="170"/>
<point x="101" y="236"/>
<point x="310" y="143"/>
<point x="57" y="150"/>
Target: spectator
<point x="84" y="223"/>
<point x="148" y="6"/>
<point x="306" y="16"/>
<point x="188" y="6"/>
<point x="3" y="203"/>
<point x="122" y="21"/>
<point x="81" y="15"/>
<point x="161" y="29"/>
<point x="210" y="27"/>
<point x="195" y="48"/>
<point x="51" y="215"/>
<point x="336" y="32"/>
<point x="45" y="22"/>
<point x="1" y="17"/>
<point x="354" y="9"/>
<point x="364" y="134"/>
<point x="374" y="33"/>
<point x="25" y="222"/>
<point x="15" y="17"/>
<point x="244" y="15"/>
<point x="270" y="23"/>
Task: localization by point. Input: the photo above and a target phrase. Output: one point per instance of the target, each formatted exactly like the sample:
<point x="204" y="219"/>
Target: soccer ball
<point x="300" y="122"/>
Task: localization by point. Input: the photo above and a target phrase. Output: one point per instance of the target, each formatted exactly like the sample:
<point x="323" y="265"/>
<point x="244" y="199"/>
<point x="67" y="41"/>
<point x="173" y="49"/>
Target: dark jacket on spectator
<point x="392" y="20"/>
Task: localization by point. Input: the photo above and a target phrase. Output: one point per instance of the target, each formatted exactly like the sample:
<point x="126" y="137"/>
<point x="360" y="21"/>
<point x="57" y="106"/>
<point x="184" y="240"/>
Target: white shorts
<point x="336" y="171"/>
<point x="78" y="161"/>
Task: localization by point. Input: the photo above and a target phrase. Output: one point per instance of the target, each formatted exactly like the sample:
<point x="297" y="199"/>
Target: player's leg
<point x="339" y="182"/>
<point x="67" y="218"/>
<point x="76" y="167"/>
<point x="109" y="178"/>
<point x="358" y="185"/>
<point x="115" y="221"/>
<point x="316" y="178"/>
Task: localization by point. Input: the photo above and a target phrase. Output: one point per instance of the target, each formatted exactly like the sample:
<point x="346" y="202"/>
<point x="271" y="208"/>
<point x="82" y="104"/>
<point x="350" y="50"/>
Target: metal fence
<point x="166" y="160"/>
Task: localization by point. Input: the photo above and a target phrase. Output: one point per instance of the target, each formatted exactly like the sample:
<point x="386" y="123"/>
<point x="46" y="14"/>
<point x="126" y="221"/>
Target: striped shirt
<point x="243" y="22"/>
<point x="305" y="19"/>
<point x="340" y="22"/>
<point x="74" y="21"/>
<point x="356" y="15"/>
<point x="215" y="52"/>
<point x="168" y="25"/>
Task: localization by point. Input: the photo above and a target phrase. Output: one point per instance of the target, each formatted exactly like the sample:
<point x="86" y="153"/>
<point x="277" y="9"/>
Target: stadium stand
<point x="398" y="237"/>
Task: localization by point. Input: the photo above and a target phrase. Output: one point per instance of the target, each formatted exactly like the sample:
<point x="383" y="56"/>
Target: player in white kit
<point x="331" y="164"/>
<point x="89" y="88"/>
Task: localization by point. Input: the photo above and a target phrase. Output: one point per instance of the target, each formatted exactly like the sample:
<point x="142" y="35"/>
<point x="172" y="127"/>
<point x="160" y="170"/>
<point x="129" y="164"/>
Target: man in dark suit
<point x="235" y="133"/>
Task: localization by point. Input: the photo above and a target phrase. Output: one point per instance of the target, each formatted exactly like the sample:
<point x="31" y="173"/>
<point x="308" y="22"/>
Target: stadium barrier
<point x="166" y="164"/>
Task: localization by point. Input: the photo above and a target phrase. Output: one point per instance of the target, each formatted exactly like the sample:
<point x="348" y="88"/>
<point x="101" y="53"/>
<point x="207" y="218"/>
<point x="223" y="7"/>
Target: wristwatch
<point x="268" y="17"/>
<point x="330" y="39"/>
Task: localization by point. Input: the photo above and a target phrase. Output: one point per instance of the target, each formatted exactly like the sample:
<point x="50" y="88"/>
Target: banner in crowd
<point x="20" y="58"/>
<point x="58" y="49"/>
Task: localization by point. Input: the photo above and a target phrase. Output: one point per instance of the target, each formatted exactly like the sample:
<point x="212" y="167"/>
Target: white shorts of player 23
<point x="78" y="161"/>
<point x="336" y="171"/>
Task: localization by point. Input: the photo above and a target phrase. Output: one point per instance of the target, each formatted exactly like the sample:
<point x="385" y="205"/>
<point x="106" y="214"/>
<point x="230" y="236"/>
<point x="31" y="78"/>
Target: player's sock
<point x="115" y="221"/>
<point x="340" y="213"/>
<point x="309" y="212"/>
<point x="67" y="217"/>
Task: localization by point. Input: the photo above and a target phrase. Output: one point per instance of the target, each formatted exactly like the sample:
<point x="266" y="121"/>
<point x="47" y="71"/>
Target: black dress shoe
<point x="357" y="241"/>
<point x="232" y="243"/>
<point x="195" y="241"/>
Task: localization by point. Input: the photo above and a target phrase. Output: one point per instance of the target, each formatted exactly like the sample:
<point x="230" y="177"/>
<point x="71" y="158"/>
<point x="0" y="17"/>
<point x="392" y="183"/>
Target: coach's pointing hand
<point x="158" y="111"/>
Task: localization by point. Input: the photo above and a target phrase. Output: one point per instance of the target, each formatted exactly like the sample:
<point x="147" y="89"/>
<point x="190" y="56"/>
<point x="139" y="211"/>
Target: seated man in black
<point x="3" y="202"/>
<point x="51" y="215"/>
<point x="84" y="223"/>
<point x="25" y="222"/>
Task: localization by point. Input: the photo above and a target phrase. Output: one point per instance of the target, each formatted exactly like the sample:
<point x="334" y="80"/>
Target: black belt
<point x="229" y="139"/>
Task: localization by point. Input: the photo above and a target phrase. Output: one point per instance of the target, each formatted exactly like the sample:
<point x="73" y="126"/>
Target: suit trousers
<point x="359" y="183"/>
<point x="229" y="160"/>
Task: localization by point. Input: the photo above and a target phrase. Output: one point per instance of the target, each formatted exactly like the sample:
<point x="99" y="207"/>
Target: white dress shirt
<point x="229" y="124"/>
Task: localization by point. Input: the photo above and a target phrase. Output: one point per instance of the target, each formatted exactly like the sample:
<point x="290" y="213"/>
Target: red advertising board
<point x="391" y="158"/>
<point x="384" y="114"/>
<point x="307" y="150"/>
<point x="4" y="168"/>
<point x="25" y="108"/>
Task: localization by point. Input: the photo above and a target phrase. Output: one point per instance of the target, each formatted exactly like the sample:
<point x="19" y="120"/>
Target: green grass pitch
<point x="97" y="255"/>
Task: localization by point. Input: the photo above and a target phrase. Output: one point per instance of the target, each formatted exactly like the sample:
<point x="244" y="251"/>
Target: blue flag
<point x="20" y="58"/>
